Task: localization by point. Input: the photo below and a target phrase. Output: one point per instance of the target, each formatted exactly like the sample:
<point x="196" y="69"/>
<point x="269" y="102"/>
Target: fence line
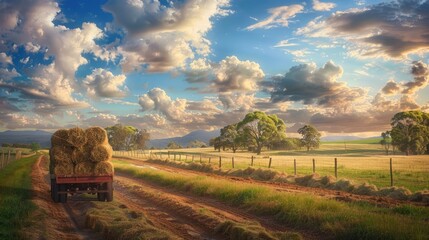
<point x="9" y="156"/>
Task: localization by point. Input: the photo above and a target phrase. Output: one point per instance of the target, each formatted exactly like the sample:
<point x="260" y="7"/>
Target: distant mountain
<point x="201" y="135"/>
<point x="26" y="137"/>
<point x="339" y="138"/>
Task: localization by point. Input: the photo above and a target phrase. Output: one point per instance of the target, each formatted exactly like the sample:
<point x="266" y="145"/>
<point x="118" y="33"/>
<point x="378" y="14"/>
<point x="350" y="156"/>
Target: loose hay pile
<point x="78" y="152"/>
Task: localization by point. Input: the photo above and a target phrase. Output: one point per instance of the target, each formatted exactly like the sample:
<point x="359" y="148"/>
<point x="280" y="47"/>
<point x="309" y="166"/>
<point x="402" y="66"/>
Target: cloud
<point x="24" y="60"/>
<point x="391" y="87"/>
<point x="420" y="72"/>
<point x="6" y="74"/>
<point x="20" y="121"/>
<point x="310" y="85"/>
<point x="31" y="47"/>
<point x="229" y="75"/>
<point x="322" y="6"/>
<point x="285" y="43"/>
<point x="102" y="83"/>
<point x="279" y="17"/>
<point x="163" y="37"/>
<point x="5" y="59"/>
<point x="391" y="30"/>
<point x="158" y="100"/>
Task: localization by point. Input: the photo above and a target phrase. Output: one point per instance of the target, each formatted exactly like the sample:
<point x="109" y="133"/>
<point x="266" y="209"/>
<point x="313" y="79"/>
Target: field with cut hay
<point x="359" y="162"/>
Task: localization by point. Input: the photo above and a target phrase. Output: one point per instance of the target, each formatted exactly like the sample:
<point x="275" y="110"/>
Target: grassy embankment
<point x="328" y="217"/>
<point x="15" y="198"/>
<point x="360" y="161"/>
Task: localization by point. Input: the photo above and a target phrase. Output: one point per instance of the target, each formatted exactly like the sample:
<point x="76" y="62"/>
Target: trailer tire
<point x="54" y="191"/>
<point x="109" y="194"/>
<point x="62" y="196"/>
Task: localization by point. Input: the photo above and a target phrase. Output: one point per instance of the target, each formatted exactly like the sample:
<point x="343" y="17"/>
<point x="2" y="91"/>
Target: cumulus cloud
<point x="19" y="121"/>
<point x="322" y="6"/>
<point x="420" y="72"/>
<point x="229" y="75"/>
<point x="5" y="59"/>
<point x="6" y="74"/>
<point x="279" y="17"/>
<point x="391" y="87"/>
<point x="311" y="85"/>
<point x="102" y="83"/>
<point x="158" y="100"/>
<point x="163" y="37"/>
<point x="390" y="30"/>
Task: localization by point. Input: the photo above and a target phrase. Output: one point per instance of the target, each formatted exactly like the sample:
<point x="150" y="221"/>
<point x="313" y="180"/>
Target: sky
<point x="172" y="67"/>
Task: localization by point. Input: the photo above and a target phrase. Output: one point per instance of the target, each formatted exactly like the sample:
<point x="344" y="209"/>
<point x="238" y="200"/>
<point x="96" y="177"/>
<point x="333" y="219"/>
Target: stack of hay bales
<point x="78" y="152"/>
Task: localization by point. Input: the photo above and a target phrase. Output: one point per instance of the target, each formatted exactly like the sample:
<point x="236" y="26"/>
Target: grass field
<point x="360" y="162"/>
<point x="15" y="198"/>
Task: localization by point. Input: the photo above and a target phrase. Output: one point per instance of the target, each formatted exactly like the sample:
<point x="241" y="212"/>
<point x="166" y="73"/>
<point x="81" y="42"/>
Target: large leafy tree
<point x="216" y="143"/>
<point x="386" y="141"/>
<point x="410" y="132"/>
<point x="125" y="137"/>
<point x="262" y="129"/>
<point x="231" y="137"/>
<point x="310" y="137"/>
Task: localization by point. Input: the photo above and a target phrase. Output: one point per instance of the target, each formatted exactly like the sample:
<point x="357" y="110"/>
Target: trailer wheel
<point x="109" y="194"/>
<point x="62" y="196"/>
<point x="54" y="191"/>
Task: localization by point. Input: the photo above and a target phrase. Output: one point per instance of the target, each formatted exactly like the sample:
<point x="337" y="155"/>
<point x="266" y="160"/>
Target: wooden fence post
<point x="210" y="160"/>
<point x="8" y="158"/>
<point x="192" y="157"/>
<point x="2" y="159"/>
<point x="174" y="157"/>
<point x="168" y="155"/>
<point x="220" y="162"/>
<point x="336" y="167"/>
<point x="391" y="173"/>
<point x="201" y="160"/>
<point x="232" y="162"/>
<point x="314" y="166"/>
<point x="269" y="163"/>
<point x="180" y="157"/>
<point x="294" y="165"/>
<point x="251" y="163"/>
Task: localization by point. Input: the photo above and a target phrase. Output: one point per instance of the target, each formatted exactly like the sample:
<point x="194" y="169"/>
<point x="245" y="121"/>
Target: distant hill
<point x="201" y="135"/>
<point x="26" y="137"/>
<point x="350" y="139"/>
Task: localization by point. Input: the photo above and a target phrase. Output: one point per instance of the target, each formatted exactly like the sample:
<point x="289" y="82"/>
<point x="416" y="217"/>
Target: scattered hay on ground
<point x="76" y="137"/>
<point x="101" y="153"/>
<point x="96" y="136"/>
<point x="399" y="193"/>
<point x="366" y="189"/>
<point x="103" y="168"/>
<point x="344" y="185"/>
<point x="420" y="196"/>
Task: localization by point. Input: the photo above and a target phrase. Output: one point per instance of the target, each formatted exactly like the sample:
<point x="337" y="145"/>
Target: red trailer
<point x="62" y="186"/>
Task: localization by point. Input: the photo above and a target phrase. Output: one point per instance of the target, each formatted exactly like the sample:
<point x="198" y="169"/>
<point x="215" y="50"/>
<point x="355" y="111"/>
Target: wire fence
<point x="383" y="171"/>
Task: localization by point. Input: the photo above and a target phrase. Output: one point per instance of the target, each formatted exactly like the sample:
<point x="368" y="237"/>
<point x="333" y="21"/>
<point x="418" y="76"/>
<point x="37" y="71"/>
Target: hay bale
<point x="366" y="189"/>
<point x="103" y="168"/>
<point x="64" y="170"/>
<point x="78" y="155"/>
<point x="343" y="185"/>
<point x="399" y="193"/>
<point x="307" y="180"/>
<point x="61" y="154"/>
<point x="328" y="181"/>
<point x="101" y="153"/>
<point x="84" y="169"/>
<point x="60" y="138"/>
<point x="420" y="196"/>
<point x="76" y="137"/>
<point x="96" y="136"/>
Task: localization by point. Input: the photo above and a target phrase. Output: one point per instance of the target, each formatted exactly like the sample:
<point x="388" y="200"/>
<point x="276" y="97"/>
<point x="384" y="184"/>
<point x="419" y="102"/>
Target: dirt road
<point x="180" y="215"/>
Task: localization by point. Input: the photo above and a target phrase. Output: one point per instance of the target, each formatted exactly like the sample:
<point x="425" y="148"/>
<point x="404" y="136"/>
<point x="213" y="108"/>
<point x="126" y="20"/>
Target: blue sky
<point x="172" y="67"/>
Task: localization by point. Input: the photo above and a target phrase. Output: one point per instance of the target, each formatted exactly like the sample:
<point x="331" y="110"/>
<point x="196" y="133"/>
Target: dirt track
<point x="183" y="216"/>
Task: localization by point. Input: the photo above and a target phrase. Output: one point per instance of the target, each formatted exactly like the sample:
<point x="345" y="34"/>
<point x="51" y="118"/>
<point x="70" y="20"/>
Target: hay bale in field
<point x="420" y="196"/>
<point x="343" y="185"/>
<point x="366" y="189"/>
<point x="103" y="168"/>
<point x="77" y="137"/>
<point x="101" y="153"/>
<point x="84" y="169"/>
<point x="64" y="169"/>
<point x="60" y="138"/>
<point x="399" y="193"/>
<point x="328" y="181"/>
<point x="61" y="154"/>
<point x="263" y="174"/>
<point x="96" y="136"/>
<point x="307" y="180"/>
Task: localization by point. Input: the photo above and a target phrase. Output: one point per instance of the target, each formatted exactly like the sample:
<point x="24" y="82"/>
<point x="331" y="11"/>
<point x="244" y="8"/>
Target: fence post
<point x="220" y="162"/>
<point x="336" y="167"/>
<point x="210" y="160"/>
<point x="201" y="160"/>
<point x="294" y="165"/>
<point x="314" y="166"/>
<point x="168" y="155"/>
<point x="8" y="158"/>
<point x="251" y="163"/>
<point x="180" y="157"/>
<point x="391" y="173"/>
<point x="2" y="159"/>
<point x="269" y="163"/>
<point x="174" y="157"/>
<point x="232" y="162"/>
<point x="192" y="157"/>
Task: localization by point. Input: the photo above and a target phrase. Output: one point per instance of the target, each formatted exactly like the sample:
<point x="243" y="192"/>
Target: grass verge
<point x="15" y="198"/>
<point x="337" y="219"/>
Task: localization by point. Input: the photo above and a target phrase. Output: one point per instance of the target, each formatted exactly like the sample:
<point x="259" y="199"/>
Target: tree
<point x="262" y="129"/>
<point x="141" y="138"/>
<point x="196" y="144"/>
<point x="173" y="145"/>
<point x="410" y="132"/>
<point x="310" y="137"/>
<point x="122" y="137"/>
<point x="231" y="137"/>
<point x="386" y="141"/>
<point x="35" y="146"/>
<point x="216" y="143"/>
